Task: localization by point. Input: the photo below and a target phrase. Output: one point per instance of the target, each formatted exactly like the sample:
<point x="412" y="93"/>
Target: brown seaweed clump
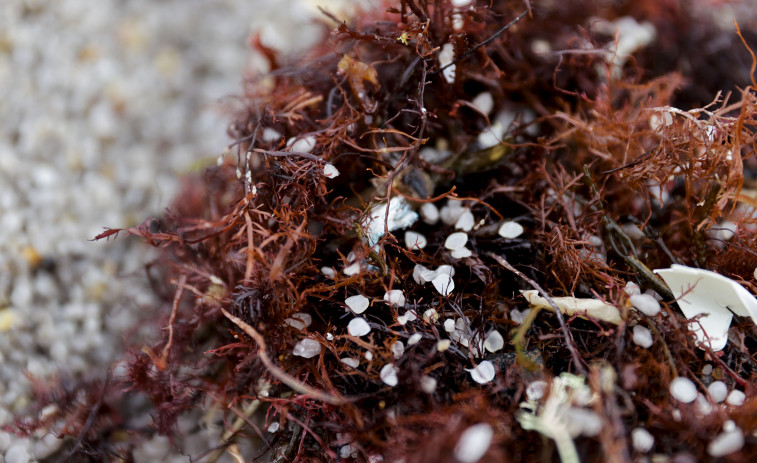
<point x="347" y="280"/>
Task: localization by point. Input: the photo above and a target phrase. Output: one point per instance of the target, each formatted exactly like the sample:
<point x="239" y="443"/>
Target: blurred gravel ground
<point x="102" y="105"/>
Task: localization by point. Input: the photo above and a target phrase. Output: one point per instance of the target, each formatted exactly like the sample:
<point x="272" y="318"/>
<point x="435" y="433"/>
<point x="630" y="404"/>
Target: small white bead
<point x="494" y="341"/>
<point x="456" y="241"/>
<point x="388" y="375"/>
<point x="414" y="339"/>
<point x="429" y="213"/>
<point x="718" y="391"/>
<point x="510" y="230"/>
<point x="473" y="443"/>
<point x="466" y="221"/>
<point x="461" y="253"/>
<point x="683" y="390"/>
<point x="645" y="304"/>
<point x="307" y="348"/>
<point x="358" y="326"/>
<point x="642" y="337"/>
<point x="642" y="440"/>
<point x="736" y="398"/>
<point x="726" y="443"/>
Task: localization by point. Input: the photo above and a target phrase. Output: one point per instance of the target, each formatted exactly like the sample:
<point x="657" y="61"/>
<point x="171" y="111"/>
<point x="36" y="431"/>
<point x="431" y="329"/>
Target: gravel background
<point x="103" y="105"/>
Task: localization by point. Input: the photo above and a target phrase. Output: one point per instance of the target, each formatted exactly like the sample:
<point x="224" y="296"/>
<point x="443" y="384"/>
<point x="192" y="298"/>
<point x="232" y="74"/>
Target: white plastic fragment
<point x="330" y="171"/>
<point x="273" y="427"/>
<point x="444" y="284"/>
<point x="443" y="344"/>
<point x="299" y="321"/>
<point x="703" y="406"/>
<point x="702" y="292"/>
<point x="422" y="275"/>
<point x="461" y="253"/>
<point x="510" y="230"/>
<point x="358" y="326"/>
<point x="430" y="316"/>
<point x="449" y="325"/>
<point x="461" y="3"/>
<point x="593" y="308"/>
<point x="395" y="297"/>
<point x="735" y="398"/>
<point x="358" y="303"/>
<point x="483" y="373"/>
<point x="642" y="440"/>
<point x="445" y="269"/>
<point x="388" y="375"/>
<point x="718" y="391"/>
<point x="328" y="272"/>
<point x="352" y="269"/>
<point x="415" y="240"/>
<point x="726" y="443"/>
<point x="707" y="369"/>
<point x="456" y="240"/>
<point x="494" y="341"/>
<point x="414" y="339"/>
<point x="632" y="288"/>
<point x="398" y="349"/>
<point x="429" y="213"/>
<point x="642" y="337"/>
<point x="368" y="355"/>
<point x="400" y="216"/>
<point x="270" y="135"/>
<point x="451" y="212"/>
<point x="428" y="384"/>
<point x="645" y="304"/>
<point x="683" y="390"/>
<point x="473" y="443"/>
<point x="307" y="348"/>
<point x="446" y="57"/>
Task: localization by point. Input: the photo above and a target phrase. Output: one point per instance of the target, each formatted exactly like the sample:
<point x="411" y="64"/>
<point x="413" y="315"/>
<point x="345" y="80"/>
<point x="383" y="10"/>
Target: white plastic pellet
<point x="447" y="269"/>
<point x="645" y="304"/>
<point x="632" y="288"/>
<point x="358" y="326"/>
<point x="642" y="337"/>
<point x="350" y="362"/>
<point x="473" y="443"/>
<point x="510" y="230"/>
<point x="273" y="427"/>
<point x="329" y="272"/>
<point x="414" y="240"/>
<point x="466" y="221"/>
<point x="735" y="398"/>
<point x="449" y="325"/>
<point x="414" y="339"/>
<point x="726" y="443"/>
<point x="388" y="375"/>
<point x="642" y="440"/>
<point x="330" y="171"/>
<point x="461" y="253"/>
<point x="430" y="316"/>
<point x="444" y="284"/>
<point x="395" y="297"/>
<point x="429" y="213"/>
<point x="461" y="4"/>
<point x="443" y="344"/>
<point x="494" y="341"/>
<point x="307" y="348"/>
<point x="484" y="101"/>
<point x="683" y="390"/>
<point x="358" y="303"/>
<point x="428" y="384"/>
<point x="456" y="241"/>
<point x="398" y="349"/>
<point x="718" y="391"/>
<point x="302" y="145"/>
<point x="536" y="389"/>
<point x="483" y="373"/>
<point x="707" y="369"/>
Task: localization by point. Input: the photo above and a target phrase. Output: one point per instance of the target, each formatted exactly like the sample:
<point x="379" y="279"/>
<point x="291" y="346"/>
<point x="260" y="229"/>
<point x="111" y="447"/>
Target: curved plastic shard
<point x="717" y="298"/>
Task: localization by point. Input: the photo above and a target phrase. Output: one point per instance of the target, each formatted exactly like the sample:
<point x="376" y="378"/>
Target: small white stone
<point x="330" y="171"/>
<point x="414" y="339"/>
<point x="329" y="337"/>
<point x="395" y="297"/>
<point x="402" y="319"/>
<point x="449" y="325"/>
<point x="683" y="390"/>
<point x="444" y="284"/>
<point x="718" y="391"/>
<point x="474" y="443"/>
<point x="352" y="269"/>
<point x="483" y="373"/>
<point x="429" y="213"/>
<point x="461" y="253"/>
<point x="632" y="289"/>
<point x="707" y="369"/>
<point x="510" y="230"/>
<point x="461" y="3"/>
<point x="444" y="269"/>
<point x="519" y="315"/>
<point x="271" y="135"/>
<point x="273" y="427"/>
<point x="299" y="321"/>
<point x="642" y="440"/>
<point x="484" y="102"/>
<point x="368" y="355"/>
<point x="726" y="443"/>
<point x="414" y="240"/>
<point x="443" y="344"/>
<point x="302" y="145"/>
<point x="735" y="398"/>
<point x="456" y="241"/>
<point x="451" y="214"/>
<point x="446" y="57"/>
<point x="642" y="337"/>
<point x="703" y="406"/>
<point x="398" y="349"/>
<point x="18" y="452"/>
<point x="388" y="375"/>
<point x="358" y="303"/>
<point x="428" y="384"/>
<point x="358" y="326"/>
<point x="307" y="348"/>
<point x="350" y="362"/>
<point x="494" y="341"/>
<point x="645" y="304"/>
<point x="536" y="389"/>
<point x="466" y="221"/>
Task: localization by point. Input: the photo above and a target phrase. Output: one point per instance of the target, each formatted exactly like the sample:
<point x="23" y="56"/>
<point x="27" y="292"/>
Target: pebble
<point x="484" y="101"/>
<point x="473" y="443"/>
<point x="18" y="453"/>
<point x="461" y="253"/>
<point x="429" y="213"/>
<point x="388" y="375"/>
<point x="642" y="337"/>
<point x="415" y="240"/>
<point x="414" y="339"/>
<point x="483" y="372"/>
<point x="510" y="230"/>
<point x="307" y="348"/>
<point x="358" y="327"/>
<point x="683" y="390"/>
<point x="330" y="171"/>
<point x="645" y="304"/>
<point x="494" y="341"/>
<point x="444" y="284"/>
<point x="735" y="398"/>
<point x="726" y="443"/>
<point x="350" y="362"/>
<point x="466" y="221"/>
<point x="456" y="240"/>
<point x="718" y="391"/>
<point x="536" y="389"/>
<point x="395" y="297"/>
<point x="398" y="349"/>
<point x="642" y="440"/>
<point x="428" y="384"/>
<point x="358" y="303"/>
